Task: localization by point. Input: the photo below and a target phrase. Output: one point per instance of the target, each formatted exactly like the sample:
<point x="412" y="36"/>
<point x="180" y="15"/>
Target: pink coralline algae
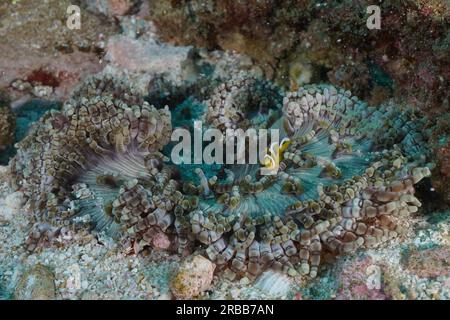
<point x="360" y="279"/>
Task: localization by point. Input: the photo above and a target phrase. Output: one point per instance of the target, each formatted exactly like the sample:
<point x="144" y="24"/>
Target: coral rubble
<point x="346" y="177"/>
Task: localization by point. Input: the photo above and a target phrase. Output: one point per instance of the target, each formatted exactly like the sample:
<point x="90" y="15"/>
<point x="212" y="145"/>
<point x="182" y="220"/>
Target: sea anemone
<point x="345" y="180"/>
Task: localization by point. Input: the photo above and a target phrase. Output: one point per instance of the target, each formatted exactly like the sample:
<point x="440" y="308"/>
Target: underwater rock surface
<point x="194" y="276"/>
<point x="41" y="55"/>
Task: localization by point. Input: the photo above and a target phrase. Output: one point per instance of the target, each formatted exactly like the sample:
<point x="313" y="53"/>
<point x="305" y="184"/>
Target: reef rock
<point x="110" y="8"/>
<point x="193" y="277"/>
<point x="275" y="34"/>
<point x="360" y="279"/>
<point x="142" y="56"/>
<point x="429" y="263"/>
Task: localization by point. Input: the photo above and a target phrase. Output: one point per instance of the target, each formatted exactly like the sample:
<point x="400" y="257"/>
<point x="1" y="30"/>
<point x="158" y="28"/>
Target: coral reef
<point x="289" y="35"/>
<point x="346" y="177"/>
<point x="92" y="207"/>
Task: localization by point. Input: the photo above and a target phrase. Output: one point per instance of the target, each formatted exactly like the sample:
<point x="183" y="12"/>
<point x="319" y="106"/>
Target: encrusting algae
<point x="346" y="178"/>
